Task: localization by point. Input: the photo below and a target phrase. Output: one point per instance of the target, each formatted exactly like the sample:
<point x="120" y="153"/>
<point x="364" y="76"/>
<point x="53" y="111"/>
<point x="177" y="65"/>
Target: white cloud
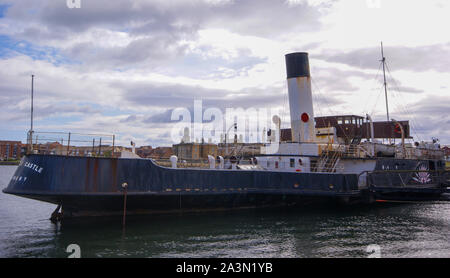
<point x="118" y="66"/>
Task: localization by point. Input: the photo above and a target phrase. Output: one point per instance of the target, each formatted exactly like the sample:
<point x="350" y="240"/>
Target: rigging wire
<point x="316" y="99"/>
<point x="367" y="100"/>
<point x="414" y="122"/>
<point x="399" y="105"/>
<point x="365" y="105"/>
<point x="380" y="91"/>
<point x="328" y="106"/>
<point x="320" y="95"/>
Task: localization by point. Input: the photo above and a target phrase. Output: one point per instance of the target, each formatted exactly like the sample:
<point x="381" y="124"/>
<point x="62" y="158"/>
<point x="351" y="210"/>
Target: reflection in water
<point x="407" y="230"/>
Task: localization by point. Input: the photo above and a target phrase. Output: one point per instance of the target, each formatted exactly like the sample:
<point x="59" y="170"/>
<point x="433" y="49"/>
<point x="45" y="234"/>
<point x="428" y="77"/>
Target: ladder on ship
<point x="329" y="160"/>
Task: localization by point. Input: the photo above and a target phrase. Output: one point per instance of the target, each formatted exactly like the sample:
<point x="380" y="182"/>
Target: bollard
<point x="212" y="162"/>
<point x="124" y="187"/>
<point x="173" y="161"/>
<point x="221" y="162"/>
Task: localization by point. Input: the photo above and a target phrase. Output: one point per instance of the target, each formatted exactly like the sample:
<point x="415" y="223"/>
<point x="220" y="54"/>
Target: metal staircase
<point x="329" y="160"/>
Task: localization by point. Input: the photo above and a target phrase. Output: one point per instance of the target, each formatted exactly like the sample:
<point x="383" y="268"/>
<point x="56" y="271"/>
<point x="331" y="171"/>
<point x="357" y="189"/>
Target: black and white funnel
<point x="300" y="97"/>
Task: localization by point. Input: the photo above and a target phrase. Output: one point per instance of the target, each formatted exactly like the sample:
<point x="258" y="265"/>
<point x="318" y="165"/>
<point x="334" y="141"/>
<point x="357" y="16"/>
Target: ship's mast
<point x="383" y="60"/>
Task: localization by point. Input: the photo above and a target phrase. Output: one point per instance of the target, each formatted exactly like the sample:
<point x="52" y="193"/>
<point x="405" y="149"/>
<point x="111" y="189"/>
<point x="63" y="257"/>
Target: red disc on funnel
<point x="305" y="117"/>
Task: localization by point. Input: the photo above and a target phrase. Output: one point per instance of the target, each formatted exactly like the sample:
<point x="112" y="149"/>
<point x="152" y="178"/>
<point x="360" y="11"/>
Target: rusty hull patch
<point x="114" y="175"/>
<point x="88" y="170"/>
<point x="95" y="176"/>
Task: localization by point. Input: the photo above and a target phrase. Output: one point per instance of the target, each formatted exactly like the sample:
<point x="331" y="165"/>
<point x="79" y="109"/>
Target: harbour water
<point x="398" y="230"/>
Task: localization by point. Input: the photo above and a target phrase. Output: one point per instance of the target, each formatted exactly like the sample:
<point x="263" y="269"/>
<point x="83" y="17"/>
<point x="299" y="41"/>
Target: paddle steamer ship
<point x="336" y="159"/>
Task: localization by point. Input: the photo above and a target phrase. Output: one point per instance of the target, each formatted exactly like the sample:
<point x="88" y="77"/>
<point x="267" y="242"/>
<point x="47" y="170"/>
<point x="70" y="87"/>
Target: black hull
<point x="93" y="186"/>
<point x="84" y="185"/>
<point x="409" y="194"/>
<point x="103" y="205"/>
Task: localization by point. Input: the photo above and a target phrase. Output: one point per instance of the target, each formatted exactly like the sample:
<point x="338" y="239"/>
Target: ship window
<point x="276" y="164"/>
<point x="292" y="162"/>
<point x="346" y="121"/>
<point x="300" y="162"/>
<point x="339" y="121"/>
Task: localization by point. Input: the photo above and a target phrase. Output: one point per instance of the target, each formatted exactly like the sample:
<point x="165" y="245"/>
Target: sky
<point x="122" y="67"/>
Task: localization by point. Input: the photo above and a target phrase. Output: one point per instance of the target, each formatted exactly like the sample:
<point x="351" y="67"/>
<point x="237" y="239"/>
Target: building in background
<point x="195" y="150"/>
<point x="343" y="129"/>
<point x="10" y="150"/>
<point x="15" y="150"/>
<point x="155" y="153"/>
<point x="56" y="148"/>
<point x="239" y="149"/>
<point x="144" y="151"/>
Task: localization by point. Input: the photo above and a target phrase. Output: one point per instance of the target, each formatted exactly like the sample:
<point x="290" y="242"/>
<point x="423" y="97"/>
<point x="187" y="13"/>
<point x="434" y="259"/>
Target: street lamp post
<point x="30" y="134"/>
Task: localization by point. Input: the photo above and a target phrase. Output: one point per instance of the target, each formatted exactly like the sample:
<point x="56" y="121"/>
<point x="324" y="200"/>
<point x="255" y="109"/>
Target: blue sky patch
<point x="10" y="47"/>
<point x="3" y="9"/>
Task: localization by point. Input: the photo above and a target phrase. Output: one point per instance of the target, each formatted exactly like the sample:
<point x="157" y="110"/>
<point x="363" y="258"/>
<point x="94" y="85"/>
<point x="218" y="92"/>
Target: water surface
<point x="407" y="230"/>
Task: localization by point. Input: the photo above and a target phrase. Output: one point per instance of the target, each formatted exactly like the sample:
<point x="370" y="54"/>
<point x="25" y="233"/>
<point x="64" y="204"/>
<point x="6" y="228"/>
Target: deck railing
<point x="188" y="163"/>
<point x="70" y="143"/>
